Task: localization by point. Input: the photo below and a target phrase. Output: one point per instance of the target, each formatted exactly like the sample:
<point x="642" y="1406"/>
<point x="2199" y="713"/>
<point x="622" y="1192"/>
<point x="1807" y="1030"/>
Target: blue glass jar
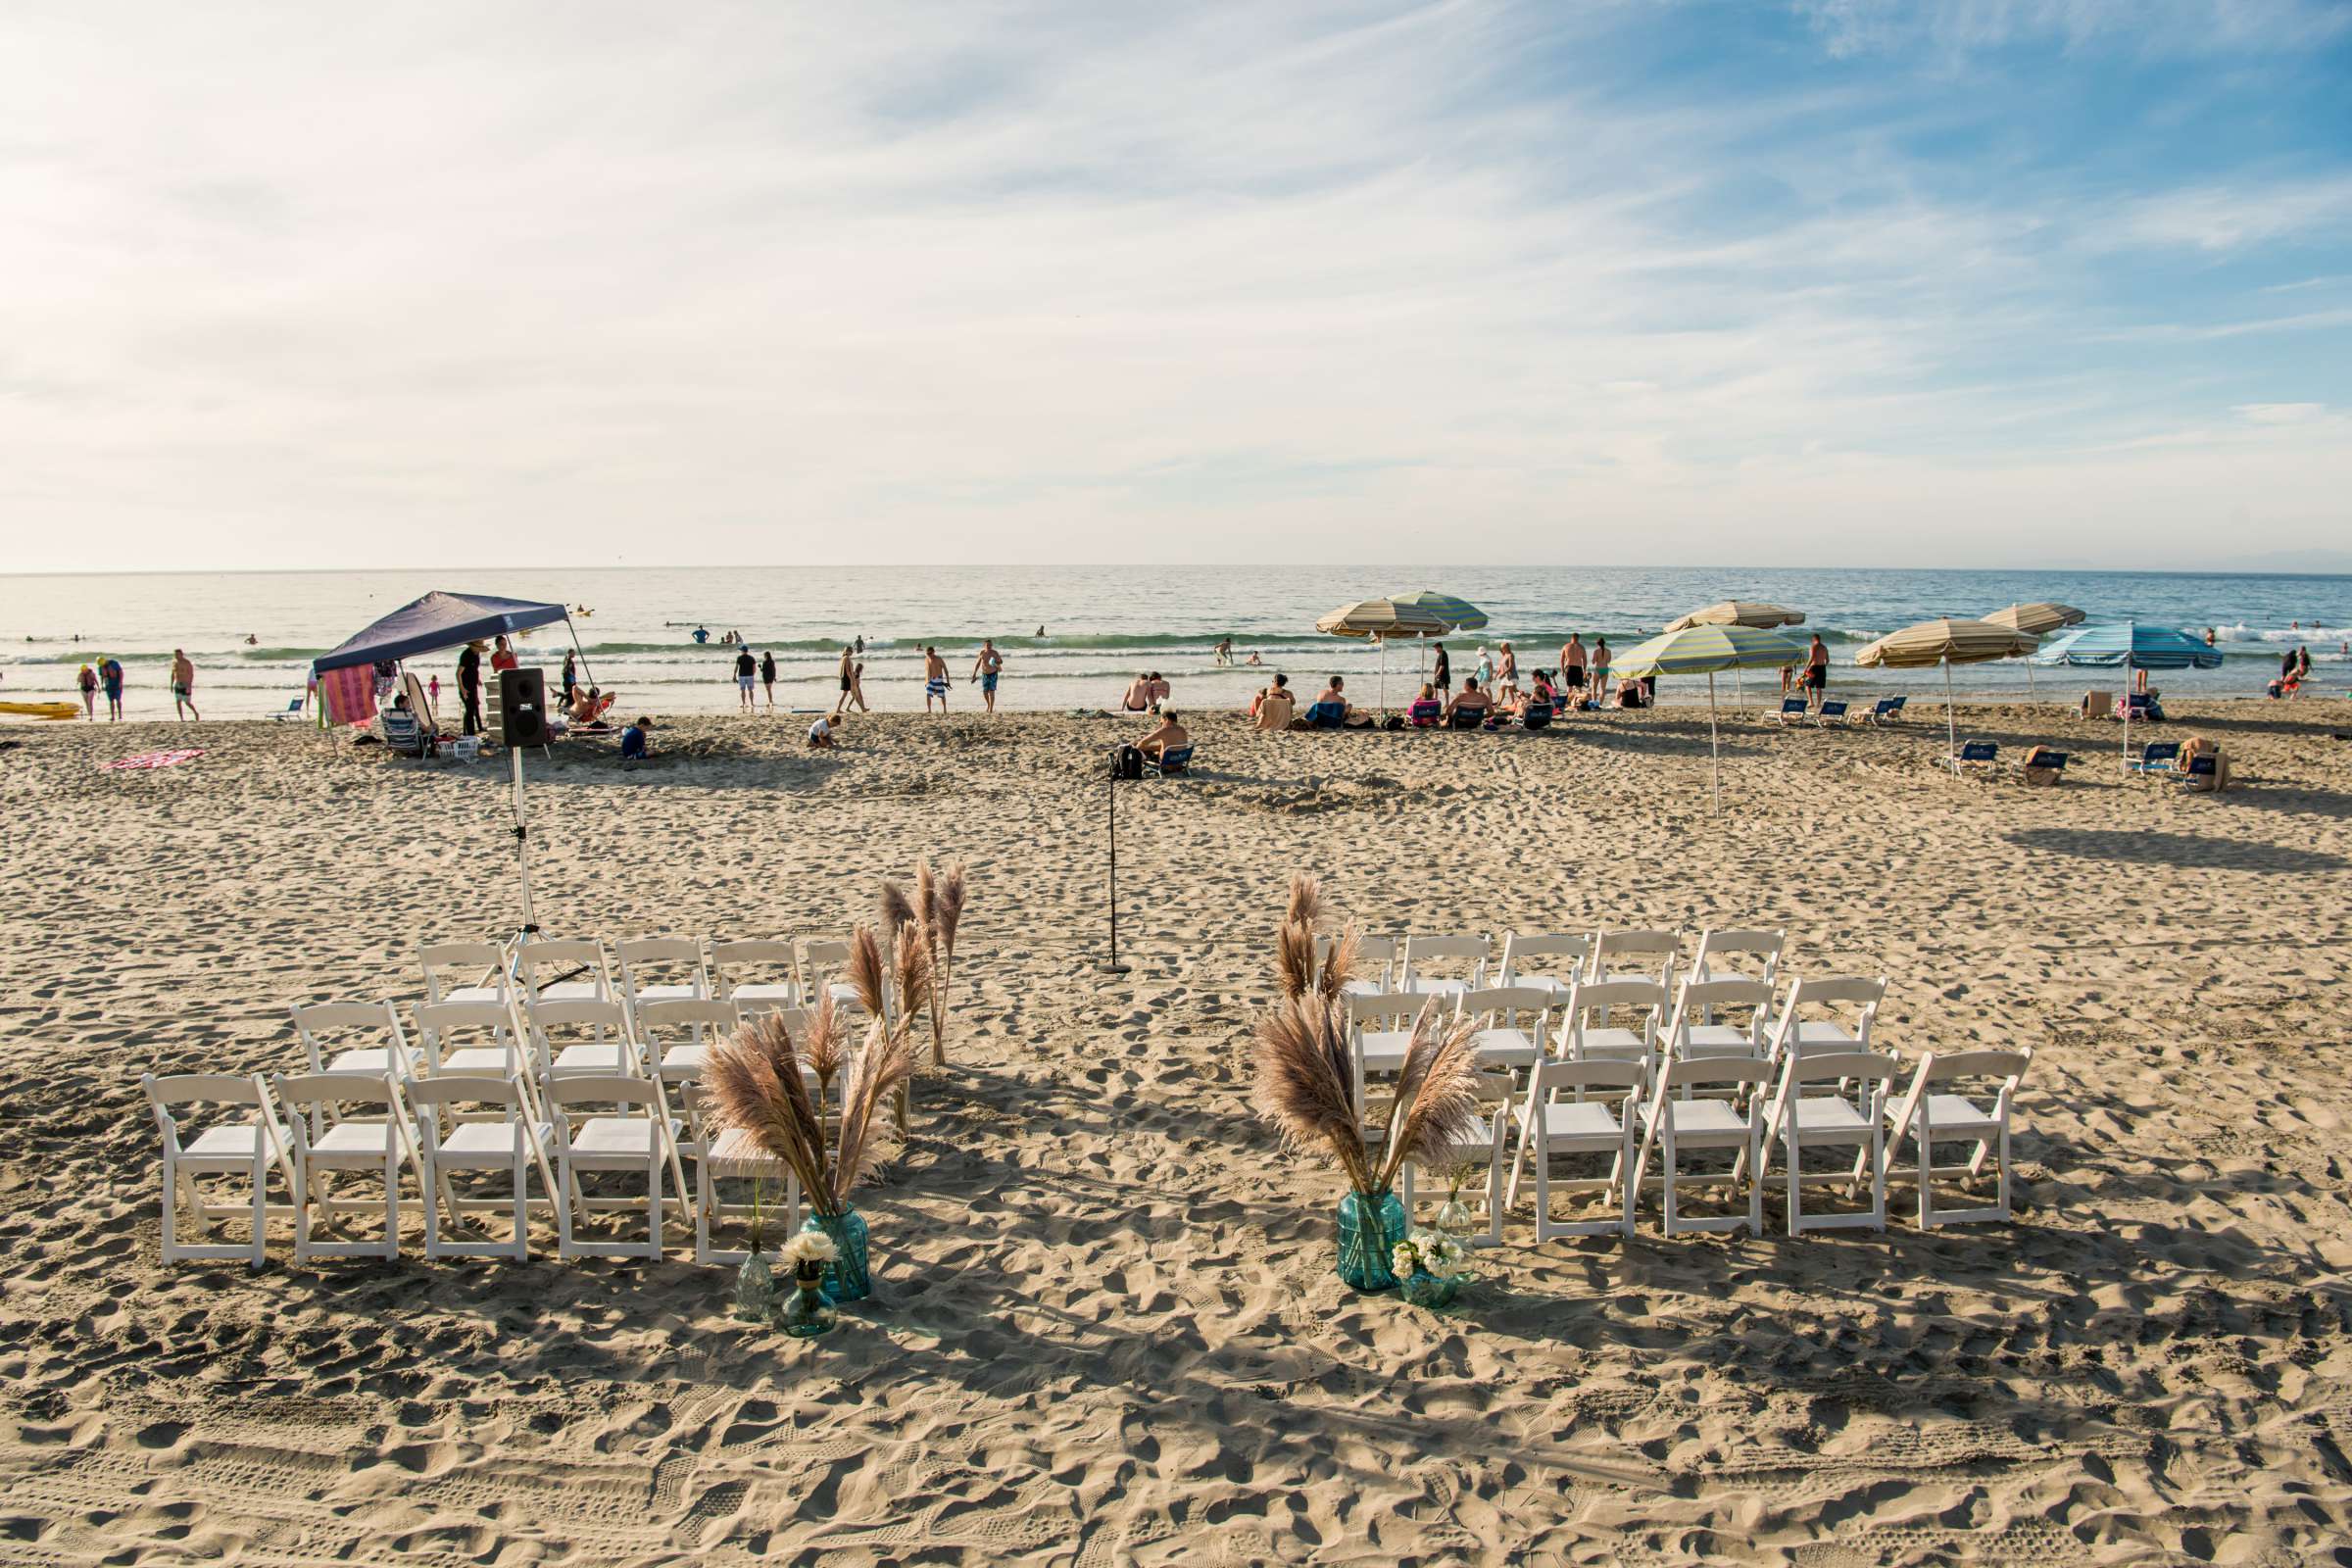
<point x="847" y="1278"/>
<point x="1369" y="1228"/>
<point x="804" y="1310"/>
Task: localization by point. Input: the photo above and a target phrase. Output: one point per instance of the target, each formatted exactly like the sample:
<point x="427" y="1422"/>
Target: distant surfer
<point x="251" y="641"/>
<point x="859" y="643"/>
<point x="1041" y="633"/>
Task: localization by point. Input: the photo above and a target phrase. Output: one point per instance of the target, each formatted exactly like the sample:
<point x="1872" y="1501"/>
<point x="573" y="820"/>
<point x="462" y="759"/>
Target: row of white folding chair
<point x="1533" y="959"/>
<point x="648" y="968"/>
<point x="1840" y="1100"/>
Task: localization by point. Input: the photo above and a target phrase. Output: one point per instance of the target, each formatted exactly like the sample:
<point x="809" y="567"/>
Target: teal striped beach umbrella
<point x="1702" y="650"/>
<point x="2128" y="644"/>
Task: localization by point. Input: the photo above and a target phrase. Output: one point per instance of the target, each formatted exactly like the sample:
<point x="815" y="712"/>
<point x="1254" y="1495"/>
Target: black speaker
<point x="523" y="707"/>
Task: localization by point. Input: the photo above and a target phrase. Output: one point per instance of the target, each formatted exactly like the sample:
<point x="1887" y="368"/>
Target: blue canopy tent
<point x="2128" y="644"/>
<point x="436" y="621"/>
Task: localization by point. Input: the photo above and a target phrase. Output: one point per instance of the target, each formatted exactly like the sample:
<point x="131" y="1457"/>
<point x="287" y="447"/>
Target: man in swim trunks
<point x="1572" y="667"/>
<point x="1817" y="668"/>
<point x="1441" y="677"/>
<point x="843" y="701"/>
<point x="986" y="669"/>
<point x="747" y="671"/>
<point x="1139" y="693"/>
<point x="110" y="675"/>
<point x="183" y="685"/>
<point x="935" y="679"/>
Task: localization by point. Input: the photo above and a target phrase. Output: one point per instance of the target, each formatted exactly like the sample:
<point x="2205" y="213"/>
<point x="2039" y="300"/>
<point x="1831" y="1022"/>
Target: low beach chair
<point x="292" y="709"/>
<point x="2097" y="703"/>
<point x="632" y="1132"/>
<point x="362" y="1125"/>
<point x="1792" y="708"/>
<point x="1690" y="1110"/>
<point x="1510" y="1024"/>
<point x="1424" y="714"/>
<point x="1883" y="711"/>
<point x="2157" y="757"/>
<point x="502" y="1134"/>
<point x="1633" y="955"/>
<point x="1846" y="1110"/>
<point x="733" y="964"/>
<point x="1571" y="1108"/>
<point x="1327" y="715"/>
<point x="1481" y="1144"/>
<point x="1977" y="754"/>
<point x="1831" y="711"/>
<point x="2203" y="767"/>
<point x="676" y="1034"/>
<point x="1529" y="958"/>
<point x="1421" y="951"/>
<point x="1928" y="1117"/>
<point x="2044" y="765"/>
<point x="1809" y="1023"/>
<point x="1175" y="761"/>
<point x="250" y="1147"/>
<point x="661" y="970"/>
<point x="488" y="962"/>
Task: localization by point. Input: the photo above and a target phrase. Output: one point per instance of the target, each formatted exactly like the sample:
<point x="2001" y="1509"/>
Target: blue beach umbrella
<point x="2129" y="644"/>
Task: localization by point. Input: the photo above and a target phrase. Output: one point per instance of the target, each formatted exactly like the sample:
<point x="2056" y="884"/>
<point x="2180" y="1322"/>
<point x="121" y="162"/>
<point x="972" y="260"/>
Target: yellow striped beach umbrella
<point x="1380" y="620"/>
<point x="1702" y="650"/>
<point x="2040" y="618"/>
<point x="1740" y="612"/>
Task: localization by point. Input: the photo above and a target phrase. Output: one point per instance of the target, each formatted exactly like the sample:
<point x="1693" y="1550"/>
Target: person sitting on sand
<point x="820" y="733"/>
<point x="1278" y="698"/>
<point x="1470" y="705"/>
<point x="633" y="742"/>
<point x="1139" y="693"/>
<point x="1160" y="689"/>
<point x="1169" y="736"/>
<point x="1630" y="692"/>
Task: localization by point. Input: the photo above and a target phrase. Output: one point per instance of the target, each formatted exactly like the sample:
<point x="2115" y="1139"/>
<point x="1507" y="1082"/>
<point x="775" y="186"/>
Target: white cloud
<point x="2281" y="412"/>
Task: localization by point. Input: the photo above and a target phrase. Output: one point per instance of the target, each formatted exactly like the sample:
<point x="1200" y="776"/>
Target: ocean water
<point x="1101" y="625"/>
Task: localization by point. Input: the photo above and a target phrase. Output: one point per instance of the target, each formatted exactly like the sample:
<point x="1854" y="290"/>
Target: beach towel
<point x="151" y="759"/>
<point x="349" y="694"/>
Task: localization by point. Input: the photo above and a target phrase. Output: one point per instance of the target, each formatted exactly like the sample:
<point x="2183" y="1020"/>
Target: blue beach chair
<point x="1887" y="709"/>
<point x="1978" y="753"/>
<point x="2157" y="757"/>
<point x="2201" y="766"/>
<point x="1327" y="715"/>
<point x="1791" y="709"/>
<point x="1831" y="712"/>
<point x="1175" y="760"/>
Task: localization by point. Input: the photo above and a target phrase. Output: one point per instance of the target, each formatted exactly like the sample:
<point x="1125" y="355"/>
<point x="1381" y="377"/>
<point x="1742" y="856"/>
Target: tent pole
<point x="578" y="649"/>
<point x="1714" y="748"/>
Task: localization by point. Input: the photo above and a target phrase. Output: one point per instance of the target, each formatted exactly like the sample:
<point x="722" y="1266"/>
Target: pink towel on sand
<point x="151" y="759"/>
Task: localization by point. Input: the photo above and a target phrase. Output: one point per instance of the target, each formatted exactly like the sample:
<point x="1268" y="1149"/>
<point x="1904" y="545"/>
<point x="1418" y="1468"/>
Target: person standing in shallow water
<point x="183" y="685"/>
<point x="768" y="677"/>
<point x="986" y="669"/>
<point x="935" y="679"/>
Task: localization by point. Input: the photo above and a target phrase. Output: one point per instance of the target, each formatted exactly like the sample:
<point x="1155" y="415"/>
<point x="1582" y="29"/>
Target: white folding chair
<point x="1538" y="958"/>
<point x="489" y="962"/>
<point x="676" y="1035"/>
<point x="734" y="966"/>
<point x="503" y="1134"/>
<point x="559" y="1051"/>
<point x="1928" y="1118"/>
<point x="1412" y="970"/>
<point x="646" y="959"/>
<point x="1683" y="1119"/>
<point x="1690" y="1037"/>
<point x="1808" y="1021"/>
<point x="625" y="1127"/>
<point x="470" y="1039"/>
<point x="1380" y="1031"/>
<point x="1375" y="964"/>
<point x="1510" y="1024"/>
<point x="732" y="1154"/>
<point x="1481" y="1144"/>
<point x="1732" y="953"/>
<point x="1586" y="1033"/>
<point x="1632" y="956"/>
<point x="362" y="1037"/>
<point x="1578" y="1107"/>
<point x="363" y="1126"/>
<point x="581" y="972"/>
<point x="1835" y="1100"/>
<point x="249" y="1147"/>
<point x="823" y="961"/>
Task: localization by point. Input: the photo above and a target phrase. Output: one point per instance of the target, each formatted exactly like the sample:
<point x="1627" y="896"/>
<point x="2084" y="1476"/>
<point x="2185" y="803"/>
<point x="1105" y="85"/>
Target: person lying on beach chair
<point x="1167" y="739"/>
<point x="1470" y="706"/>
<point x="402" y="732"/>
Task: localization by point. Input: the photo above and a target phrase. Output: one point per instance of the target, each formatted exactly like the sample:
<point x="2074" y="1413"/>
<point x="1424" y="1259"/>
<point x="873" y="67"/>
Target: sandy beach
<point x="1106" y="1326"/>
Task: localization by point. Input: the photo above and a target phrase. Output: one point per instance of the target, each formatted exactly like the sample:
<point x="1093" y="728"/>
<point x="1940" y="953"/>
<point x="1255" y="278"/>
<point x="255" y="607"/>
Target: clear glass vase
<point x="846" y="1277"/>
<point x="1423" y="1289"/>
<point x="1369" y="1228"/>
<point x="804" y="1310"/>
<point x="755" y="1289"/>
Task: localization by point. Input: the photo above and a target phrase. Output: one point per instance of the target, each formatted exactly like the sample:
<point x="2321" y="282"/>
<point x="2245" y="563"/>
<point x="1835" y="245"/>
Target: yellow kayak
<point x="41" y="710"/>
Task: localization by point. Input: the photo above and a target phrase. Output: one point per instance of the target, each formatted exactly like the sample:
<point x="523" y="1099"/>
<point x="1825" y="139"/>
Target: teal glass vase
<point x="1423" y="1289"/>
<point x="1369" y="1228"/>
<point x="846" y="1277"/>
<point x="805" y="1310"/>
<point x="755" y="1289"/>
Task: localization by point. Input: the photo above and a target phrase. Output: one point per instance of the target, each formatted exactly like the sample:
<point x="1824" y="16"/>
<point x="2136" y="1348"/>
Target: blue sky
<point x="1991" y="282"/>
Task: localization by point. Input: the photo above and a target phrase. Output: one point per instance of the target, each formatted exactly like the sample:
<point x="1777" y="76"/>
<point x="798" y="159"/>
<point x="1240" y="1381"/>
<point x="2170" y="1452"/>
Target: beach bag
<point x="1126" y="761"/>
<point x="1392" y="721"/>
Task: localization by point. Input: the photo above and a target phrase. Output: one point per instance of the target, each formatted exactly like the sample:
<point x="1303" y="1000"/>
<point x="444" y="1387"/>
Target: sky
<point x="1979" y="283"/>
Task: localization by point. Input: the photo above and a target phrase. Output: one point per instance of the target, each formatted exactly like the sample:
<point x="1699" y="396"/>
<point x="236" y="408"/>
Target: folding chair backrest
<point x="1375" y="956"/>
<point x="568" y="953"/>
<point x="476" y="963"/>
<point x="2158" y="752"/>
<point x="606" y="1089"/>
<point x="1500" y="1005"/>
<point x="1528" y="952"/>
<point x="1590" y="1004"/>
<point x="1394" y="1010"/>
<point x="311" y="1090"/>
<point x="1653" y="950"/>
<point x="1711" y="1072"/>
<point x="440" y="1021"/>
<point x="658" y="954"/>
<point x="1821" y="992"/>
<point x="1792" y="705"/>
<point x="822" y="957"/>
<point x="682" y="1014"/>
<point x="1552" y="1077"/>
<point x="2201" y="766"/>
<point x="1978" y="750"/>
<point x="1724" y="953"/>
<point x="2006" y="1065"/>
<point x="428" y="1094"/>
<point x="1831" y="708"/>
<point x="378" y="1021"/>
<point x="1698" y="999"/>
<point x="1473" y="951"/>
<point x="1836" y="1066"/>
<point x="729" y="961"/>
<point x="211" y="1089"/>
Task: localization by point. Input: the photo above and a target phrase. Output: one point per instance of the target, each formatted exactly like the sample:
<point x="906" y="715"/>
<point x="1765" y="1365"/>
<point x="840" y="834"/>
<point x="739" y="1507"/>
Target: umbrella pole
<point x="1951" y="718"/>
<point x="1714" y="747"/>
<point x="2125" y="759"/>
<point x="1384" y="676"/>
<point x="2029" y="697"/>
<point x="1739" y="690"/>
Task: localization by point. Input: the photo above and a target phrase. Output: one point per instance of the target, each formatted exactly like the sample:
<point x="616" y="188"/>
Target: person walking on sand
<point x="747" y="669"/>
<point x="110" y="675"/>
<point x="935" y="679"/>
<point x="986" y="669"/>
<point x="183" y="685"/>
<point x="88" y="681"/>
<point x="1509" y="689"/>
<point x="768" y="677"/>
<point x="841" y="704"/>
<point x="1441" y="676"/>
<point x="1817" y="668"/>
<point x="470" y="686"/>
<point x="1600" y="675"/>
